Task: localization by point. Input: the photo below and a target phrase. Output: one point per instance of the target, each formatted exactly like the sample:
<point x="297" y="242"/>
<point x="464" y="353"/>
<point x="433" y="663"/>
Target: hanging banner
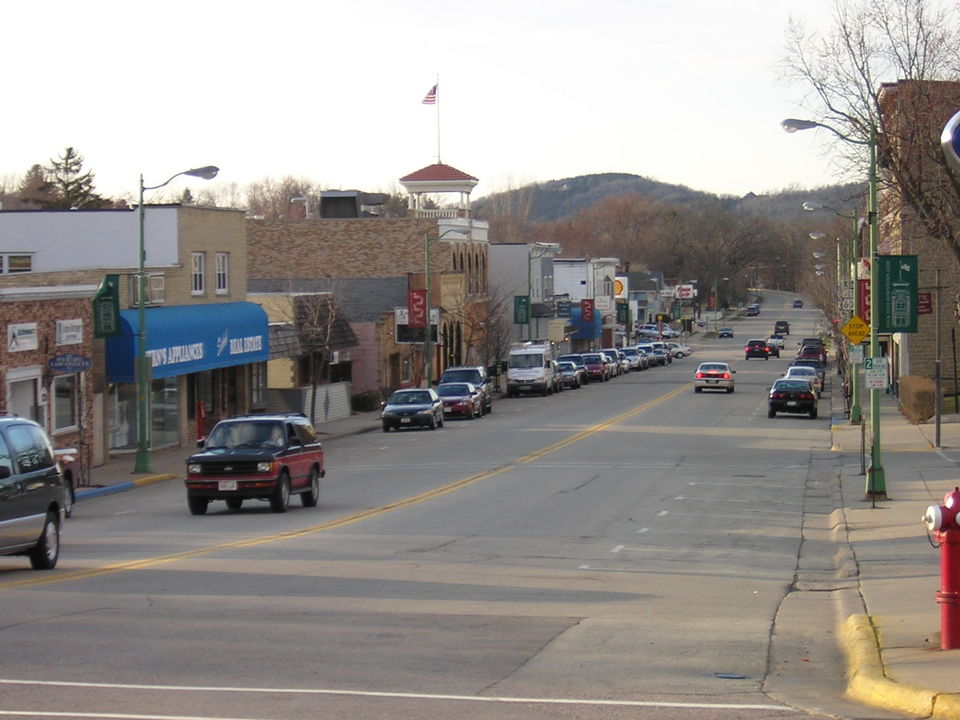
<point x="897" y="300"/>
<point x="586" y="311"/>
<point x="863" y="289"/>
<point x="521" y="309"/>
<point x="417" y="308"/>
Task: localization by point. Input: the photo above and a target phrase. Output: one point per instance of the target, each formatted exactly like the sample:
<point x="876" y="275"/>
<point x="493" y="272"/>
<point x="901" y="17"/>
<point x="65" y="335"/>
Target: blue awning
<point x="190" y="338"/>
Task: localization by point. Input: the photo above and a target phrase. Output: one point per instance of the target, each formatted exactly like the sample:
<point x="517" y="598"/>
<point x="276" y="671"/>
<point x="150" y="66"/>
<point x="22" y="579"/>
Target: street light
<point x="428" y="338"/>
<point x="716" y="303"/>
<point x="876" y="477"/>
<point x="142" y="460"/>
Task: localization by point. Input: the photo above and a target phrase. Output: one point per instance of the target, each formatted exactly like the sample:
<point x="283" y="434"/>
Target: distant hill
<point x="558" y="199"/>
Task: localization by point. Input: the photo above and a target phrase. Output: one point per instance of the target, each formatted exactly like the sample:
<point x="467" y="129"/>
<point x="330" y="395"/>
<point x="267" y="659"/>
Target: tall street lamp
<point x="428" y="337"/>
<point x="876" y="477"/>
<point x="716" y="303"/>
<point x="142" y="460"/>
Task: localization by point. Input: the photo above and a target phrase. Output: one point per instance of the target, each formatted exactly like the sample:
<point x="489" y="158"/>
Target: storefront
<point x="207" y="361"/>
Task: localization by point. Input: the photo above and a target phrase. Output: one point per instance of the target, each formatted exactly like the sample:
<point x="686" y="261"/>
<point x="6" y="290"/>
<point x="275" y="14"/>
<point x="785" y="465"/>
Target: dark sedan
<point x="792" y="396"/>
<point x="571" y="375"/>
<point x="415" y="407"/>
<point x="462" y="399"/>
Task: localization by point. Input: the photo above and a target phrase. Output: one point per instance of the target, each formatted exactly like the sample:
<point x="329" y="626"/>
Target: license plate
<point x="224" y="485"/>
<point x="404" y="420"/>
<point x="791" y="402"/>
<point x="524" y="387"/>
<point x="713" y="381"/>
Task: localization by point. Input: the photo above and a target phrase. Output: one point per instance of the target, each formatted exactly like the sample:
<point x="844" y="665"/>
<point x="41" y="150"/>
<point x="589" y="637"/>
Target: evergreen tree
<point x="70" y="187"/>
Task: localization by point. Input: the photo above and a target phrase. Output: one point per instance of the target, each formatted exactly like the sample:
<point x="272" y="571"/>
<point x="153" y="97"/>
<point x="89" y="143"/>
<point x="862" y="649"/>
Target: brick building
<point x="205" y="343"/>
<point x="914" y="115"/>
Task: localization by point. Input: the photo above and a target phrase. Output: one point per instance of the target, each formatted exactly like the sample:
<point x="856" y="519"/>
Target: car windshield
<point x="712" y="367"/>
<point x="453" y="389"/>
<point x="594" y="359"/>
<point x="566" y="366"/>
<point x="531" y="360"/>
<point x="410" y="398"/>
<point x="246" y="434"/>
<point x="801" y="371"/>
<point x="461" y="376"/>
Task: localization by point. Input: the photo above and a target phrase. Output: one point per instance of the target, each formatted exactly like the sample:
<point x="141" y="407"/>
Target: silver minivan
<point x="32" y="493"/>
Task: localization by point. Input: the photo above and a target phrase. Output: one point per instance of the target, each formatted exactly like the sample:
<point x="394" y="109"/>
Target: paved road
<point x="625" y="550"/>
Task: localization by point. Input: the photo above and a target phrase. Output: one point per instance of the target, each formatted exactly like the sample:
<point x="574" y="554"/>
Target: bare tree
<point x="872" y="42"/>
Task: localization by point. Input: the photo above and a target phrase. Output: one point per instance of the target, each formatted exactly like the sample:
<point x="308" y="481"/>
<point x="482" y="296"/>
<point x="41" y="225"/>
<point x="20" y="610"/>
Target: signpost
<point x="875" y="371"/>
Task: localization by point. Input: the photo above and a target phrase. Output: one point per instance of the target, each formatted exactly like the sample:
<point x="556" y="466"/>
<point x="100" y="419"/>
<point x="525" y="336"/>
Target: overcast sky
<point x="529" y="90"/>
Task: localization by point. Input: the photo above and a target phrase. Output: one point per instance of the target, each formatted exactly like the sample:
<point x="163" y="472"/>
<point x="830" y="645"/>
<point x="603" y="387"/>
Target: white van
<point x="530" y="369"/>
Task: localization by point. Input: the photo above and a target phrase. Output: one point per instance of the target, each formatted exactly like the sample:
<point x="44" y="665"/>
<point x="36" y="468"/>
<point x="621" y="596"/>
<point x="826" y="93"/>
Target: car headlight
<point x="264" y="467"/>
<point x="194" y="469"/>
<point x="426" y="411"/>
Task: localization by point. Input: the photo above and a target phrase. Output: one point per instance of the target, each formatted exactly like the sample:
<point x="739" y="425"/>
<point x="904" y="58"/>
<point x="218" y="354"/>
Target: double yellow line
<point x="58" y="577"/>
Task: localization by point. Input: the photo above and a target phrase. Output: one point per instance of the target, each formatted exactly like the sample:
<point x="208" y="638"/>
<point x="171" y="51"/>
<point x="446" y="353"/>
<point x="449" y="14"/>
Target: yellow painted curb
<point x="151" y="479"/>
<point x="946" y="707"/>
<point x="866" y="681"/>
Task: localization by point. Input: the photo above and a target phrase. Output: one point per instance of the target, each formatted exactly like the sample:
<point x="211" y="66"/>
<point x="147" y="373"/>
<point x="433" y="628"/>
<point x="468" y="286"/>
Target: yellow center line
<point x="34" y="581"/>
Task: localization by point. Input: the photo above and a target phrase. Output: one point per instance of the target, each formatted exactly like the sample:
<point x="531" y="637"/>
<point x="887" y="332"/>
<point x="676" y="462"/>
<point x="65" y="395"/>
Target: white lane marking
<point x="679" y="497"/>
<point x="583" y="567"/>
<point x="663" y="512"/>
<point x="354" y="693"/>
<point x="643" y="530"/>
<point x="618" y="548"/>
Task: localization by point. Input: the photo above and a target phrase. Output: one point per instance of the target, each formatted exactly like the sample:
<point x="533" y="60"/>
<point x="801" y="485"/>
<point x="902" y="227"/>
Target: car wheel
<point x="197" y="505"/>
<point x="45" y="553"/>
<point x="70" y="496"/>
<point x="679" y="355"/>
<point x="433" y="423"/>
<point x="813" y="414"/>
<point x="697" y="389"/>
<point x="771" y="413"/>
<point x="386" y="428"/>
<point x="729" y="389"/>
<point x="234" y="503"/>
<point x="280" y="500"/>
<point x="311" y="497"/>
<point x="441" y="421"/>
<point x="489" y="407"/>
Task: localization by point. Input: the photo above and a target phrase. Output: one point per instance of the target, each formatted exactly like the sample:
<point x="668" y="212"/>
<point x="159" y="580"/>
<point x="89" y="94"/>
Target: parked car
<point x="818" y="352"/>
<point x="660" y="346"/>
<point x="33" y="496"/>
<point x="256" y="457"/>
<point x="815" y="364"/>
<point x="570" y="374"/>
<point x="758" y="349"/>
<point x="577" y="359"/>
<point x="794" y="395"/>
<point x="614" y="368"/>
<point x="659" y="357"/>
<point x="461" y="399"/>
<point x="633" y="357"/>
<point x="597" y="367"/>
<point x="805" y="372"/>
<point x="623" y="364"/>
<point x="477" y="376"/>
<point x="678" y="350"/>
<point x="797" y="303"/>
<point x="646" y="361"/>
<point x="725" y="332"/>
<point x="413" y="407"/>
<point x="781" y="327"/>
<point x="713" y="376"/>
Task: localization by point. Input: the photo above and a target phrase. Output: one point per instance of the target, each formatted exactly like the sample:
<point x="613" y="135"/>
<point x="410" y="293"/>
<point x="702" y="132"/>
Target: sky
<point x="529" y="91"/>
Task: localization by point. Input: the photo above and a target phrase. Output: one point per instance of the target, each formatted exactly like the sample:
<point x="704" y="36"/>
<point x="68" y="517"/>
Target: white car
<point x="777" y="340"/>
<point x="806" y="373"/>
<point x="678" y="350"/>
<point x="713" y="376"/>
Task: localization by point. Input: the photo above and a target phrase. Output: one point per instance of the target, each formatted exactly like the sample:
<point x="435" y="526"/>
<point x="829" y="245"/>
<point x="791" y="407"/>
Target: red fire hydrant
<point x="943" y="522"/>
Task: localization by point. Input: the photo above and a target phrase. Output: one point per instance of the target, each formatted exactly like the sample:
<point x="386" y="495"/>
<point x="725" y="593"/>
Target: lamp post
<point x="428" y="337"/>
<point x="716" y="304"/>
<point x="142" y="460"/>
<point x="876" y="477"/>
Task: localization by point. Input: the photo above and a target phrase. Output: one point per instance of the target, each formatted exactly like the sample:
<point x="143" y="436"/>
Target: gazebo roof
<point x="438" y="178"/>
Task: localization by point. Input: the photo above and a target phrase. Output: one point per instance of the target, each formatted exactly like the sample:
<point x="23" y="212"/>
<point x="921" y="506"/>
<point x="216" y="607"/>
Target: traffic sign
<point x="855" y="329"/>
<point x="875" y="372"/>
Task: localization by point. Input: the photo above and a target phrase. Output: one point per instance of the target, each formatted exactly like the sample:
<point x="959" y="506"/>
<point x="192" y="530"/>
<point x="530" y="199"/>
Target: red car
<point x="597" y="369"/>
<point x="461" y="398"/>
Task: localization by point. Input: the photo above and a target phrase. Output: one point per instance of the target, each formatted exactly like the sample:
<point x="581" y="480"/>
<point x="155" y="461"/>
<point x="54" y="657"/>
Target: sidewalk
<point x="116" y="475"/>
<point x="889" y="623"/>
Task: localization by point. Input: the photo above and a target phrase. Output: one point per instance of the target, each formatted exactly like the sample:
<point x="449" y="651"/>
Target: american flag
<point x="431" y="97"/>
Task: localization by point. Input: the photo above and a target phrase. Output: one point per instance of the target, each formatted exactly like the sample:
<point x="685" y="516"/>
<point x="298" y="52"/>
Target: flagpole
<point x="437" y="86"/>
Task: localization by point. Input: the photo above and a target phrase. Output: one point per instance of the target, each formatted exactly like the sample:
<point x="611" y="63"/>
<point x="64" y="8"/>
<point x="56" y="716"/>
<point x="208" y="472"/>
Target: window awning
<point x="190" y="338"/>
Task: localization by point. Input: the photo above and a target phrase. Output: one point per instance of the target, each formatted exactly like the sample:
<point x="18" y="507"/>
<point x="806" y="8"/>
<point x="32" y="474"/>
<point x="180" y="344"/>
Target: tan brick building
<point x="914" y="115"/>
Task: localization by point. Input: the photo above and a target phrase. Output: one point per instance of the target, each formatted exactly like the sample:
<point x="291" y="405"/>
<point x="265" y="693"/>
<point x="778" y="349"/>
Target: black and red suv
<point x="256" y="457"/>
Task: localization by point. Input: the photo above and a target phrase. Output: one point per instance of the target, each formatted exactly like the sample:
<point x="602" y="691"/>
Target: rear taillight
<point x="700" y="376"/>
<point x="726" y="376"/>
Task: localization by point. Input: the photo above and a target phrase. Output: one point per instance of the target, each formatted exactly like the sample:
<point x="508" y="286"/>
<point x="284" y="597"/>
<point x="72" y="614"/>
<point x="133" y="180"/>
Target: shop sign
<point x="69" y="363"/>
<point x="22" y="336"/>
<point x="70" y="332"/>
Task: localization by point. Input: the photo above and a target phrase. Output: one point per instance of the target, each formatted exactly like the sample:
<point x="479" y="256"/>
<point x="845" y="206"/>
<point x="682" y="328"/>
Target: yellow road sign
<point x="855" y="329"/>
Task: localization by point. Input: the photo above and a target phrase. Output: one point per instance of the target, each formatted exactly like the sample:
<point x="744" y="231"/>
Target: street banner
<point x="863" y="289"/>
<point x="897" y="299"/>
<point x="417" y="308"/>
<point x="586" y="310"/>
<point x="521" y="309"/>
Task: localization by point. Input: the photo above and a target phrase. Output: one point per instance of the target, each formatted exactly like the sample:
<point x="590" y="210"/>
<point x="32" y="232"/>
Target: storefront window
<point x="164" y="413"/>
<point x="66" y="405"/>
<point x="258" y="385"/>
<point x="123" y="416"/>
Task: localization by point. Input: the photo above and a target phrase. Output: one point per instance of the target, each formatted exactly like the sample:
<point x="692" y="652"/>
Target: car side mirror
<point x="5" y="472"/>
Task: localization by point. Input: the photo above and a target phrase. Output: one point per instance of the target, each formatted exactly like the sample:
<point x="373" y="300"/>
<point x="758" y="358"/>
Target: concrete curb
<point x="91" y="492"/>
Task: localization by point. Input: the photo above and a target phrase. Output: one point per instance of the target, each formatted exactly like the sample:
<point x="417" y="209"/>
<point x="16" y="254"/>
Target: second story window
<point x="16" y="263"/>
<point x="197" y="286"/>
<point x="223" y="273"/>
